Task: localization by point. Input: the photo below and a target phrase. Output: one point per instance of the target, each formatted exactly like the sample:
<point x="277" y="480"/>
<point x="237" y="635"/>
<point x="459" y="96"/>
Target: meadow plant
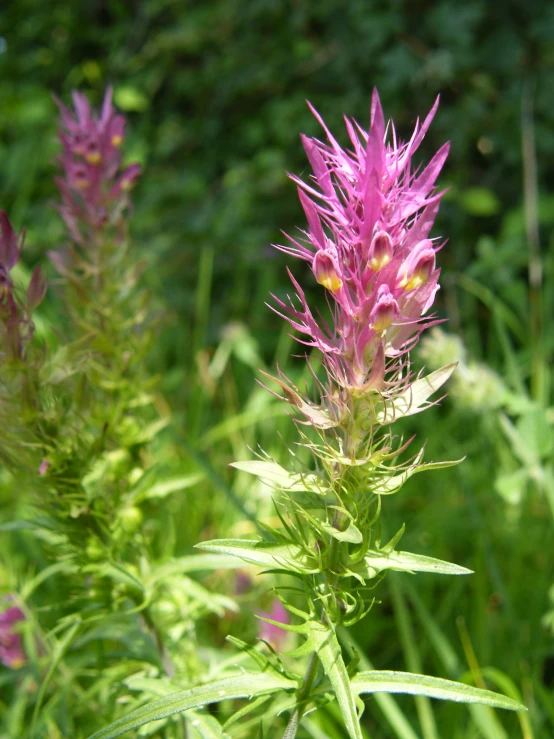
<point x="78" y="427"/>
<point x="11" y="647"/>
<point x="370" y="213"/>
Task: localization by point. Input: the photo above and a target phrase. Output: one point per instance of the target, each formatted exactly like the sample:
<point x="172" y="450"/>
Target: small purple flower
<point x="11" y="648"/>
<point x="92" y="185"/>
<point x="271" y="633"/>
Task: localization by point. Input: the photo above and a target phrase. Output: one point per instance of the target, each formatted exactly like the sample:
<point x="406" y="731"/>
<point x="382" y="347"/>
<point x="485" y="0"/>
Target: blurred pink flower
<point x="369" y="216"/>
<point x="11" y="648"/>
<point x="92" y="185"/>
<point x="270" y="632"/>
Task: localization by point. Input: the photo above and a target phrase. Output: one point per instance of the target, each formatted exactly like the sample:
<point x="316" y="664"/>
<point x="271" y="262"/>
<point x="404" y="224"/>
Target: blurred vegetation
<point x="215" y="92"/>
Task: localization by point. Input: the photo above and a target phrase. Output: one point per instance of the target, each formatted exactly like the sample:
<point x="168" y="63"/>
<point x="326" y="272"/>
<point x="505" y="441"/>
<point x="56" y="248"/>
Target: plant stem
<point x="311" y="671"/>
<point x="302" y="699"/>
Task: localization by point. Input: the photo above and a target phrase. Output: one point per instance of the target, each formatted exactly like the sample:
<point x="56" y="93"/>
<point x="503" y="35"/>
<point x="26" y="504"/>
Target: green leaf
<point x="330" y="655"/>
<point x="245" y="710"/>
<point x="415" y="398"/>
<point x="393" y="484"/>
<point x="282" y="557"/>
<point x="207" y="726"/>
<point x="279" y="478"/>
<point x="351" y="534"/>
<point x="377" y="561"/>
<point x="192" y="563"/>
<point x="246" y="685"/>
<point x="433" y="687"/>
<point x="116" y="572"/>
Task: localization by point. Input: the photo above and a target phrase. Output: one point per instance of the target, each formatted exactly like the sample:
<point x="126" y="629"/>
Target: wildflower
<point x="11" y="648"/>
<point x="270" y="632"/>
<point x="369" y="217"/>
<point x="92" y="185"/>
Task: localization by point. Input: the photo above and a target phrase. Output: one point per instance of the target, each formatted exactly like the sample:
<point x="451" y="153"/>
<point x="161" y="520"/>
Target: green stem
<point x="311" y="671"/>
<point x="302" y="699"/>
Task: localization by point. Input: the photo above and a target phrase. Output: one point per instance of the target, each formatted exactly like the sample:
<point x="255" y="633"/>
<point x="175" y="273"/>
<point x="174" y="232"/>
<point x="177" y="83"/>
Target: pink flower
<point x="270" y="632"/>
<point x="93" y="186"/>
<point x="369" y="216"/>
<point x="11" y="648"/>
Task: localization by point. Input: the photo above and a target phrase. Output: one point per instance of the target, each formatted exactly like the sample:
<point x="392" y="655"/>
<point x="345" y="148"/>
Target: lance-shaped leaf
<point x="351" y="534"/>
<point x="322" y="639"/>
<point x="377" y="561"/>
<point x="282" y="557"/>
<point x="390" y="485"/>
<point x="330" y="656"/>
<point x="281" y="479"/>
<point x="247" y="685"/>
<point x="385" y="681"/>
<point x="415" y="398"/>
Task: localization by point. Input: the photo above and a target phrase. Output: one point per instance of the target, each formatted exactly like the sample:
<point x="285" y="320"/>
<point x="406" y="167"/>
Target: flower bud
<point x="5" y="283"/>
<point x="325" y="271"/>
<point x="129" y="177"/>
<point x="419" y="266"/>
<point x="380" y="251"/>
<point x="130" y="518"/>
<point x="78" y="143"/>
<point x="384" y="311"/>
<point x="80" y="178"/>
<point x="10" y="243"/>
<point x="92" y="153"/>
<point x="116" y="131"/>
<point x="36" y="290"/>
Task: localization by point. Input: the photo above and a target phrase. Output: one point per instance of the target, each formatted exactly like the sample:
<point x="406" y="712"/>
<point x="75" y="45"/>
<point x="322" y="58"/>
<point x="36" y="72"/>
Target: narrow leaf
<point x="330" y="655"/>
<point x="283" y="557"/>
<point x="415" y="398"/>
<point x="378" y="561"/>
<point x="433" y="687"/>
<point x="246" y="685"/>
<point x="281" y="479"/>
<point x="207" y="726"/>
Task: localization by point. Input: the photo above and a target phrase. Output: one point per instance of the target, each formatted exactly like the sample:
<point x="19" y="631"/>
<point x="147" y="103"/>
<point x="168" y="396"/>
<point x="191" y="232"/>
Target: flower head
<point x="92" y="185"/>
<point x="369" y="216"/>
<point x="11" y="648"/>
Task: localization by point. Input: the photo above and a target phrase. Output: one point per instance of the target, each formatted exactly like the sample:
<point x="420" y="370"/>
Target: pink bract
<point x="369" y="217"/>
<point x="93" y="186"/>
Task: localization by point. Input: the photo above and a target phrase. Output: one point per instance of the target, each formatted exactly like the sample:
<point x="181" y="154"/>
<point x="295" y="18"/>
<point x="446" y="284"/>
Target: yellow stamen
<point x="93" y="157"/>
<point x="416" y="280"/>
<point x="117" y="140"/>
<point x="378" y="263"/>
<point x="331" y="281"/>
